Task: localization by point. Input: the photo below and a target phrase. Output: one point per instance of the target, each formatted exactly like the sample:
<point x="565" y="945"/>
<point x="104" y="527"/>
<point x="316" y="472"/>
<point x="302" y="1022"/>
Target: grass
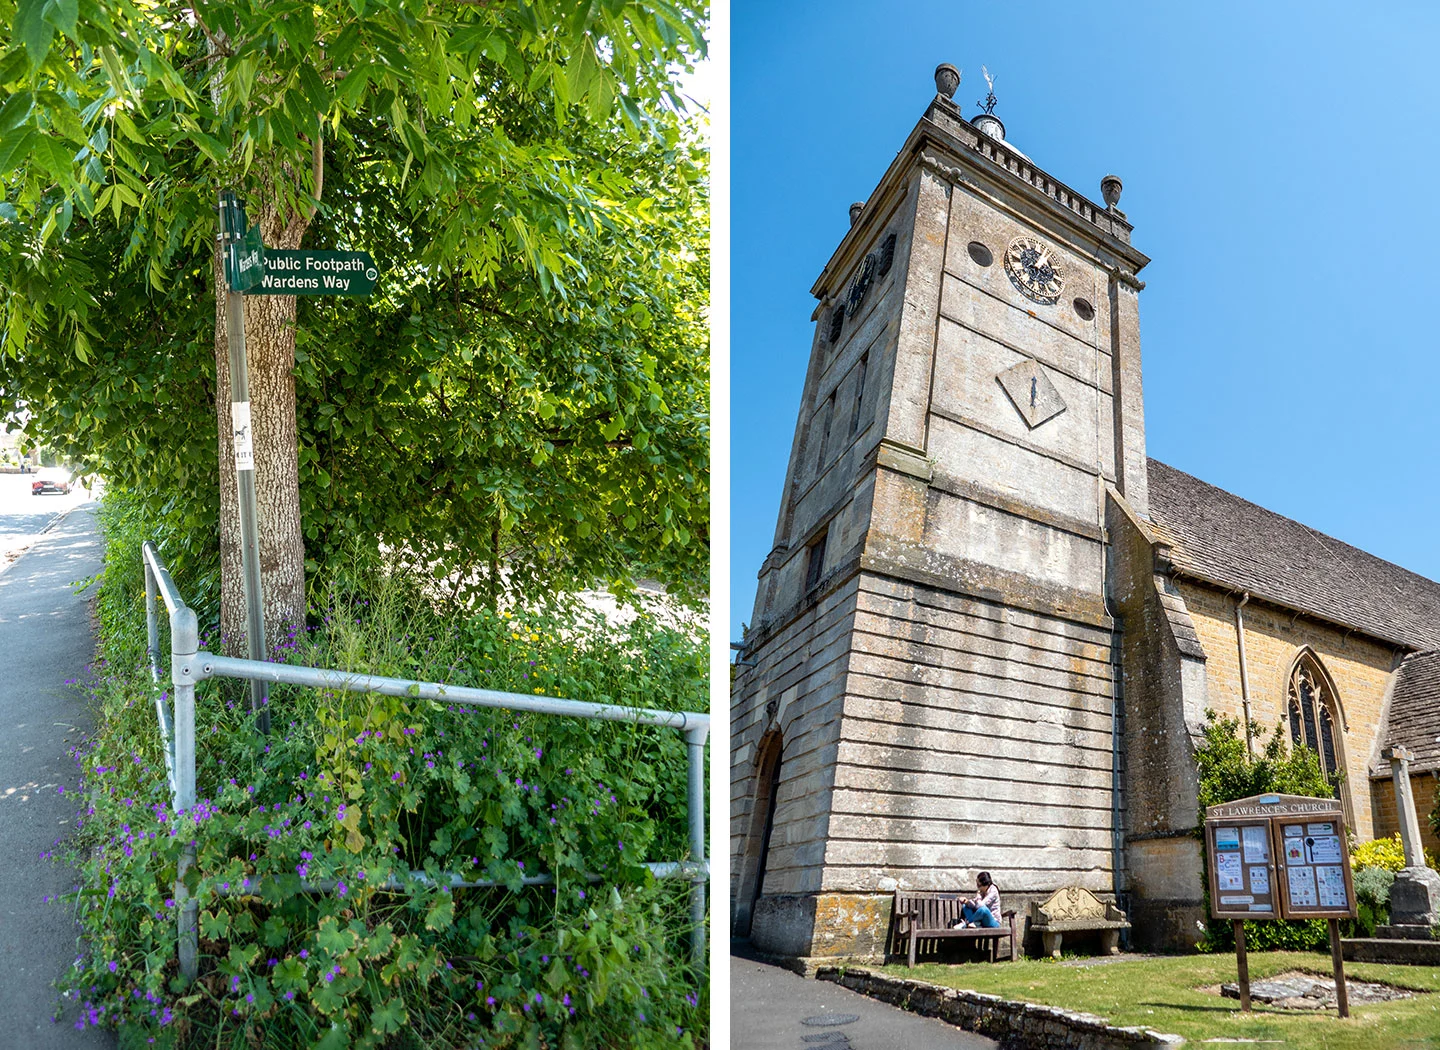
<point x="1166" y="993"/>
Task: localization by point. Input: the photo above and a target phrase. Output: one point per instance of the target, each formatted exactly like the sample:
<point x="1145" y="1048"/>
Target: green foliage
<point x="1296" y="935"/>
<point x="1227" y="772"/>
<point x="1372" y="898"/>
<point x="1385" y="853"/>
<point x="186" y="543"/>
<point x="531" y="379"/>
<point x="95" y="112"/>
<point x="569" y="440"/>
<point x="359" y="790"/>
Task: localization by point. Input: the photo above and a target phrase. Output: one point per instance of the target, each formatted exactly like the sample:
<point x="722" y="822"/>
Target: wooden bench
<point x="928" y="915"/>
<point x="1076" y="910"/>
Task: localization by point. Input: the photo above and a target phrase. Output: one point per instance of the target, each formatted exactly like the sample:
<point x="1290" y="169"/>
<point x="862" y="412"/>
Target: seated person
<point x="982" y="910"/>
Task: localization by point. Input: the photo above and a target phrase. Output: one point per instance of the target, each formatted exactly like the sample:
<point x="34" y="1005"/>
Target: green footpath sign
<point x="245" y="261"/>
<point x="316" y="273"/>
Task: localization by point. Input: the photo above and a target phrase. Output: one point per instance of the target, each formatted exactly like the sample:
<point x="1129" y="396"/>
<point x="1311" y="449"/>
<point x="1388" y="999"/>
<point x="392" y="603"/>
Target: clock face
<point x="1034" y="270"/>
<point x="860" y="285"/>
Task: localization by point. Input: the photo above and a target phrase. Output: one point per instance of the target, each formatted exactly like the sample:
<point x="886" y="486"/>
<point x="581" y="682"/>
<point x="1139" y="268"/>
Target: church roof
<point x="1414" y="720"/>
<point x="1229" y="541"/>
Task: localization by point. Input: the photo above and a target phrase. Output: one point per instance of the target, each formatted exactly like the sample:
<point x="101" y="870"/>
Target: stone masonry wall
<point x="975" y="737"/>
<point x="1360" y="668"/>
<point x="1423" y="786"/>
<point x="1014" y="1025"/>
<point x="800" y="628"/>
<point x="978" y="439"/>
<point x="978" y="717"/>
<point x="798" y="691"/>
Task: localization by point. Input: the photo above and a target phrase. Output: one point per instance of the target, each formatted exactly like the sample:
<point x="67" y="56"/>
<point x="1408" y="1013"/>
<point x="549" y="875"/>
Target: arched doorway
<point x="757" y="839"/>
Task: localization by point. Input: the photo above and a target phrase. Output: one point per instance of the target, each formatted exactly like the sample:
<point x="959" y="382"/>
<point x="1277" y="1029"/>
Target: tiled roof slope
<point x="1230" y="541"/>
<point x="1415" y="712"/>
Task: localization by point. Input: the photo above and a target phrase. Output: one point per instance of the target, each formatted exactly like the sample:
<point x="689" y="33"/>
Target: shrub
<point x="1384" y="853"/>
<point x="354" y="792"/>
<point x="1387" y="854"/>
<point x="1372" y="898"/>
<point x="1227" y="772"/>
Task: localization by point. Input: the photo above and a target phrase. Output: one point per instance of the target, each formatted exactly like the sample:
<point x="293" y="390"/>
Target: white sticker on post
<point x="240" y="427"/>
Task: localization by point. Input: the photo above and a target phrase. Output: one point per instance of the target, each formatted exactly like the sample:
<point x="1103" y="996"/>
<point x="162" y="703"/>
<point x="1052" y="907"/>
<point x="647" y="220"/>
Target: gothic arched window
<point x="1313" y="718"/>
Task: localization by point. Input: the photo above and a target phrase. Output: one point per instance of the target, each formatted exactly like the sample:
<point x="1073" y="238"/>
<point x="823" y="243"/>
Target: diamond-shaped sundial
<point x="1032" y="392"/>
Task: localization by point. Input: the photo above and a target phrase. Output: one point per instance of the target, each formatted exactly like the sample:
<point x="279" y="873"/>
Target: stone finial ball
<point x="1110" y="187"/>
<point x="947" y="79"/>
<point x="855" y="211"/>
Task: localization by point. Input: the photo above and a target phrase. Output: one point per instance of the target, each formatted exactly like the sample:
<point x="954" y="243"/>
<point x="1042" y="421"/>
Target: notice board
<point x="1278" y="857"/>
<point x="1242" y="870"/>
<point x="1317" y="883"/>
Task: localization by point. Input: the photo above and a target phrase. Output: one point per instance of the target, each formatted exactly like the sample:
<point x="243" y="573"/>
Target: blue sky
<point x="1279" y="161"/>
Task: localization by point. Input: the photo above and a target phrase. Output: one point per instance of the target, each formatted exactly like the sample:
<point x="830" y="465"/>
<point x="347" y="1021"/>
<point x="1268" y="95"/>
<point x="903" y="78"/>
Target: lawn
<point x="1165" y="993"/>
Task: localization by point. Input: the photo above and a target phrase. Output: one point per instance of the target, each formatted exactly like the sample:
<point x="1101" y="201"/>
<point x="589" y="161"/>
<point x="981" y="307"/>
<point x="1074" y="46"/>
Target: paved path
<point x="45" y="638"/>
<point x="769" y="1005"/>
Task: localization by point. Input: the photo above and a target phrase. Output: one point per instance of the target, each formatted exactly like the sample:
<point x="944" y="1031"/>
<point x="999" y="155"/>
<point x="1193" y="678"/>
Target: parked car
<point x="48" y="482"/>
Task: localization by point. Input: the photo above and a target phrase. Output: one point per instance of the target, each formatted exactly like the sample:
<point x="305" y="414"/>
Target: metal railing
<point x="190" y="664"/>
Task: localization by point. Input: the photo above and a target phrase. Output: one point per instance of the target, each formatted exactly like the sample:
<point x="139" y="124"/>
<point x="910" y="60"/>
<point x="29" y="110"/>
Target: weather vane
<point x="990" y="98"/>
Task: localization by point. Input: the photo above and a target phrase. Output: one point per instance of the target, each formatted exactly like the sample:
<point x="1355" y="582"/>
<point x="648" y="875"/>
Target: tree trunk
<point x="270" y="352"/>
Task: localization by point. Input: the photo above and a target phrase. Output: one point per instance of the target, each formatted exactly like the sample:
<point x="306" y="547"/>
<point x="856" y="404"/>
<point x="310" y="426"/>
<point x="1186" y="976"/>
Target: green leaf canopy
<point x="528" y="387"/>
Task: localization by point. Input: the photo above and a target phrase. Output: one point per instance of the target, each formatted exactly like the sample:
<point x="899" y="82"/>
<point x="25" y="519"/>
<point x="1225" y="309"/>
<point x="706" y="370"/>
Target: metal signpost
<point x="1280" y="857"/>
<point x="251" y="269"/>
<point x="244" y="268"/>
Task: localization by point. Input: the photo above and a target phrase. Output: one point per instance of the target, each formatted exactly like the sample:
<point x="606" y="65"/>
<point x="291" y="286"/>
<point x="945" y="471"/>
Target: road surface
<point x="23" y="517"/>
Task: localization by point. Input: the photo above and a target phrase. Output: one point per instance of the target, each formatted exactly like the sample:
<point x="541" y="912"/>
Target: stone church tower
<point x="929" y="686"/>
<point x="990" y="628"/>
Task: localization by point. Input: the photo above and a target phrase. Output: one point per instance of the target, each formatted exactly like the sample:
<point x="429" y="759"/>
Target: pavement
<point x="772" y="1008"/>
<point x="45" y="639"/>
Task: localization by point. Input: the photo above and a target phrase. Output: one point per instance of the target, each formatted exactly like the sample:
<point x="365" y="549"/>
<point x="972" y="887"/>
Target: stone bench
<point x="1076" y="910"/>
<point x="921" y="915"/>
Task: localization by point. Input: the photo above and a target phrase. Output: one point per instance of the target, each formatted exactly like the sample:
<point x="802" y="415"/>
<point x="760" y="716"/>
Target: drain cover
<point x="827" y="1039"/>
<point x="830" y="1020"/>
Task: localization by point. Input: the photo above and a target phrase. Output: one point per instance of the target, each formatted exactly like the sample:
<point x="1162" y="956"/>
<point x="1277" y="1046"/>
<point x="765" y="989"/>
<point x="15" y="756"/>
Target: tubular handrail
<point x="155" y="572"/>
<point x="190" y="664"/>
<point x="165" y="584"/>
<point x="208" y="665"/>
